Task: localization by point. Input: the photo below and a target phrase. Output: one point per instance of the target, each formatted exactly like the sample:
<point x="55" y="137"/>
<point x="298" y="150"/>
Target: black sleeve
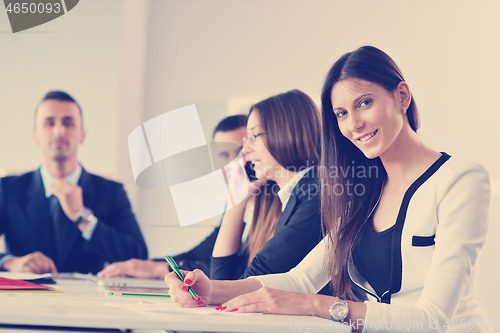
<point x="290" y="243"/>
<point x="228" y="267"/>
<point x="199" y="256"/>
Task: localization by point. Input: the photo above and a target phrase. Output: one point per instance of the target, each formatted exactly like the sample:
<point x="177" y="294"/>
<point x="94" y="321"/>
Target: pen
<point x="175" y="268"/>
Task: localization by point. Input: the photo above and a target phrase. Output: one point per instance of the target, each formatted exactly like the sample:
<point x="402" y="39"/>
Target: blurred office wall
<point x="79" y="52"/>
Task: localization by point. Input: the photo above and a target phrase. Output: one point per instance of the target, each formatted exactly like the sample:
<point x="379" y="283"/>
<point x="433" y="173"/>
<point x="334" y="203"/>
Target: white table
<point x="82" y="304"/>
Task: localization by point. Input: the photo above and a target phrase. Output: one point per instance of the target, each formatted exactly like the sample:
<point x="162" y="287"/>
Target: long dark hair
<point x="291" y="122"/>
<point x="344" y="212"/>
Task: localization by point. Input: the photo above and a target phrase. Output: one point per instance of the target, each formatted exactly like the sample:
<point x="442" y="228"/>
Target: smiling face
<point x="265" y="165"/>
<point x="58" y="130"/>
<point x="370" y="116"/>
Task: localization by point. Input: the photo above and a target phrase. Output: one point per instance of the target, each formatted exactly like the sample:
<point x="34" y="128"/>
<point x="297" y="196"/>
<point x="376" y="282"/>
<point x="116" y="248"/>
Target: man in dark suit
<point x="60" y="217"/>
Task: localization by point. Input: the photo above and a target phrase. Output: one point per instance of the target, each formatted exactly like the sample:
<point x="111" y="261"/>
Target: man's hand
<point x="136" y="268"/>
<point x="70" y="197"/>
<point x="35" y="262"/>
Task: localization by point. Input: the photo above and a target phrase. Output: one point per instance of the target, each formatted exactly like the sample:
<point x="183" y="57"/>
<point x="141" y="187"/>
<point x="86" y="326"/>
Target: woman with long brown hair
<point x="404" y="223"/>
<point x="282" y="206"/>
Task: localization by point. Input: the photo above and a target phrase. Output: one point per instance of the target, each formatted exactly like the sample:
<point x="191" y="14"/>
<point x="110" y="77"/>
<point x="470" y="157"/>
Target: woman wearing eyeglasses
<point x="282" y="206"/>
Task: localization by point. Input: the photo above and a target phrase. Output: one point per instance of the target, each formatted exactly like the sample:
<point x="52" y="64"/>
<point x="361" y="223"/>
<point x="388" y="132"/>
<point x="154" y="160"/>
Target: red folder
<point x="21" y="285"/>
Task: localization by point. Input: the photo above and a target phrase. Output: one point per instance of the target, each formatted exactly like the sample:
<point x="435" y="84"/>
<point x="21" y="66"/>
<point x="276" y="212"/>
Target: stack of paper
<point x="31" y="277"/>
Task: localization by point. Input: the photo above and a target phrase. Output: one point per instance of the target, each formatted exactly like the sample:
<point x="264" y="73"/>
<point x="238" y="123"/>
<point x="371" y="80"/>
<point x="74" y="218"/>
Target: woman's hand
<point x="240" y="186"/>
<point x="179" y="293"/>
<point x="229" y="238"/>
<point x="266" y="300"/>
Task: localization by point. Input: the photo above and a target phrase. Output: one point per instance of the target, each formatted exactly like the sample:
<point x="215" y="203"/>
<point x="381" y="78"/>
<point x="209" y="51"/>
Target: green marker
<point x="175" y="268"/>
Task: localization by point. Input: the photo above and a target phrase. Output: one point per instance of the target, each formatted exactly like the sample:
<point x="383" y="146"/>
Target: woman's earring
<point x="404" y="109"/>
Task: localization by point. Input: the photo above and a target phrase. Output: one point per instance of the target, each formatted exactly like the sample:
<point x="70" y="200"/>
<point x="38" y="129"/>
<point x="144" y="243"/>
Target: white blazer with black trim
<point x="441" y="227"/>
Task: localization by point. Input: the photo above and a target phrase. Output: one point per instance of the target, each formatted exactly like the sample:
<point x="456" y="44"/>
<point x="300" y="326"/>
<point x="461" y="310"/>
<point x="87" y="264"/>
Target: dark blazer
<point x="297" y="232"/>
<point x="26" y="224"/>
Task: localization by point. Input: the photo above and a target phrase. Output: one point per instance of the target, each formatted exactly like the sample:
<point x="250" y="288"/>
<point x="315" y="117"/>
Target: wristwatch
<point x="85" y="214"/>
<point x="339" y="310"/>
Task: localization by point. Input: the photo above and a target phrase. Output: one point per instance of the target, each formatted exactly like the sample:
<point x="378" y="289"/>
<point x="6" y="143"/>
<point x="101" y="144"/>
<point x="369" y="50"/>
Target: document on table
<point x="32" y="277"/>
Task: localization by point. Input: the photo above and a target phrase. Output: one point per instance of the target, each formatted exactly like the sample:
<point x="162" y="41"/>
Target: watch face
<point x="86" y="213"/>
<point x="339" y="311"/>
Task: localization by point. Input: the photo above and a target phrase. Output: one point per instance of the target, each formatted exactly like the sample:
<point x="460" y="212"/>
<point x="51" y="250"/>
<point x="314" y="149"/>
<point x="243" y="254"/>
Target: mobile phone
<point x="175" y="268"/>
<point x="250" y="172"/>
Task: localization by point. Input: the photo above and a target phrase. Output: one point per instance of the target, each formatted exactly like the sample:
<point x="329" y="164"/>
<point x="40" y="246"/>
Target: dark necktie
<point x="56" y="215"/>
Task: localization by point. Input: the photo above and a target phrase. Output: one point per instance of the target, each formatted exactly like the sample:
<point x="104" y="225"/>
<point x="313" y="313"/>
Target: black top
<point x="372" y="257"/>
<point x="298" y="231"/>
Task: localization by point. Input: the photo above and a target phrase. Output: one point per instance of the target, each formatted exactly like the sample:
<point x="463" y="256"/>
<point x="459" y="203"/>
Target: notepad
<point x="13" y="285"/>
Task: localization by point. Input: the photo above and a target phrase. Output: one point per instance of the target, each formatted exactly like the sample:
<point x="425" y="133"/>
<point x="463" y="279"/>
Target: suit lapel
<point x="305" y="181"/>
<point x="285" y="216"/>
<point x="85" y="183"/>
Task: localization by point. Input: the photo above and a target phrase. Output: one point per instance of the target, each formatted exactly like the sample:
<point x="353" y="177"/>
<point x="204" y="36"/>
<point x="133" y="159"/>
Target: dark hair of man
<point x="231" y="123"/>
<point x="344" y="215"/>
<point x="58" y="95"/>
<point x="291" y="122"/>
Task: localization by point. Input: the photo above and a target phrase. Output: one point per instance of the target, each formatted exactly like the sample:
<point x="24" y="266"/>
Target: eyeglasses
<point x="252" y="137"/>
